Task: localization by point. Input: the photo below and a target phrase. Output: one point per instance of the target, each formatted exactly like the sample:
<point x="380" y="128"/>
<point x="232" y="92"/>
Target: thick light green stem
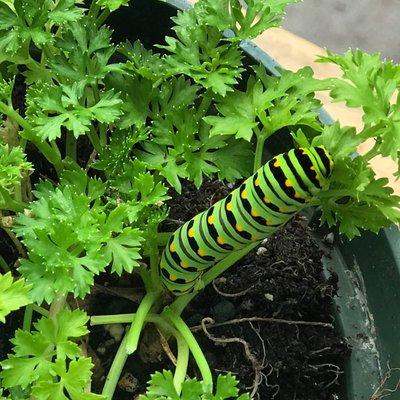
<point x="57" y="305"/>
<point x="194" y="348"/>
<point x="137" y="325"/>
<point x="115" y="370"/>
<point x="182" y="362"/>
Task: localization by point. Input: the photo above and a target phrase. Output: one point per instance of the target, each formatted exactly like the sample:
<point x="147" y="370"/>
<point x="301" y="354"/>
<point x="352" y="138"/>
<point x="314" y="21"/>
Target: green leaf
<point x="123" y="250"/>
<point x="247" y="21"/>
<point x="13" y="167"/>
<point x="84" y="53"/>
<point x="369" y="83"/>
<point x="112" y="5"/>
<point x="53" y="107"/>
<point x="72" y="380"/>
<point x="269" y="104"/>
<point x="161" y="387"/>
<point x="34" y="352"/>
<point x="199" y="52"/>
<point x="13" y="295"/>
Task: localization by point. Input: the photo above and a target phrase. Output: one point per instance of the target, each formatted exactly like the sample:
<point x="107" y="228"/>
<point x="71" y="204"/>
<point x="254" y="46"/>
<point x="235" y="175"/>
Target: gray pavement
<point x="371" y="25"/>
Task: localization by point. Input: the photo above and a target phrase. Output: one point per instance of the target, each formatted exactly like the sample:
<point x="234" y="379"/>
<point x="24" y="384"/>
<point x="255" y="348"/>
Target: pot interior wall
<point x="368" y="267"/>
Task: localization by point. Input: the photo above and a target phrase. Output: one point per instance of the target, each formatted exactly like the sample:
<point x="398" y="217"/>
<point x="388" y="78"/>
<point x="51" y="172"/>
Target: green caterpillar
<point x="252" y="212"/>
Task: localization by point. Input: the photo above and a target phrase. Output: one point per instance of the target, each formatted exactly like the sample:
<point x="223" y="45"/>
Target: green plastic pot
<point x="368" y="304"/>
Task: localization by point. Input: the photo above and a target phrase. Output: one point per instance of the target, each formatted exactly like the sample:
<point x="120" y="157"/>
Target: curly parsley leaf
<point x="14" y="294"/>
<point x="355" y="199"/>
<point x="72" y="380"/>
<point x="112" y="5"/>
<point x="13" y="167"/>
<point x="246" y="22"/>
<point x="40" y="358"/>
<point x="31" y="21"/>
<point x="50" y="108"/>
<point x="270" y="103"/>
<point x="84" y="52"/>
<point x="370" y="84"/>
<point x="199" y="52"/>
<point x="161" y="387"/>
<point x="70" y="237"/>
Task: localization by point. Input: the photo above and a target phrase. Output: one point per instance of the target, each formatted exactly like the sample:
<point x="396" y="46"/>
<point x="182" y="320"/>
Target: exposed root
<point x="257" y="366"/>
<point x="381" y="392"/>
<point x="259" y="319"/>
<point x="242" y="293"/>
<point x="166" y="348"/>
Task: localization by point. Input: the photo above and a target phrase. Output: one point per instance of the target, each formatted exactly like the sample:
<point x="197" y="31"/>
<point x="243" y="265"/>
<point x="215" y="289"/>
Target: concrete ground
<point x="371" y="25"/>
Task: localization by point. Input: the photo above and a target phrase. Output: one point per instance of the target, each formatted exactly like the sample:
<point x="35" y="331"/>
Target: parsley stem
<point x="57" y="305"/>
<point x="194" y="347"/>
<point x="205" y="104"/>
<point x="259" y="152"/>
<point x="139" y="321"/>
<point x="40" y="310"/>
<point x="102" y="17"/>
<point x="43" y="146"/>
<point x="182" y="362"/>
<point x="3" y="264"/>
<point x="26" y="325"/>
<point x="116" y="369"/>
<point x="94" y="139"/>
<point x="70" y="146"/>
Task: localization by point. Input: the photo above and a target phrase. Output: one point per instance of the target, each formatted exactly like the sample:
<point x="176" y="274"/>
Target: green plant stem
<point x="3" y="264"/>
<point x="94" y="139"/>
<point x="16" y="242"/>
<point x="154" y="260"/>
<point x="42" y="146"/>
<point x="112" y="319"/>
<point x="194" y="348"/>
<point x="137" y="325"/>
<point x="205" y="104"/>
<point x="181" y="302"/>
<point x="40" y="310"/>
<point x="116" y="369"/>
<point x="57" y="305"/>
<point x="70" y="146"/>
<point x="259" y="152"/>
<point x="102" y="17"/>
<point x="26" y="325"/>
<point x="182" y="362"/>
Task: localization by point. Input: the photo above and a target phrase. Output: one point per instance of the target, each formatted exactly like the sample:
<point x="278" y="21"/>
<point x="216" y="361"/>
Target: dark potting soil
<point x="293" y="352"/>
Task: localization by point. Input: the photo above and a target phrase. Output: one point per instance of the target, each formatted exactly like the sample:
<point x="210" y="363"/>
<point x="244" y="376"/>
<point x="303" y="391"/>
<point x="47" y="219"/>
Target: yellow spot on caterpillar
<point x="244" y="194"/>
<point x="254" y="213"/>
<point x="184" y="264"/>
<point x="191" y="232"/>
<point x="267" y="199"/>
<point x="297" y="195"/>
<point x="239" y="227"/>
<point x="220" y="240"/>
<point x="283" y="209"/>
<point x="312" y="168"/>
<point x="288" y="183"/>
<point x="257" y="182"/>
<point x="211" y="219"/>
<point x="229" y="206"/>
<point x="173" y="278"/>
<point x="201" y="252"/>
<point x="172" y="247"/>
<point x="277" y="163"/>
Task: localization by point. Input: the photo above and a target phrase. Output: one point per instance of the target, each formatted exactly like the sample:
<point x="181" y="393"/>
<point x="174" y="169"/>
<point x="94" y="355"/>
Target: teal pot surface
<point x="368" y="304"/>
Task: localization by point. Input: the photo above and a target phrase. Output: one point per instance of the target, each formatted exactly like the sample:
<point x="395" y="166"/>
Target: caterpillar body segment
<point x="252" y="212"/>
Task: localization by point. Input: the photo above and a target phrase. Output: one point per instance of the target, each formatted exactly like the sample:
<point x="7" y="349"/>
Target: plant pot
<point x="368" y="267"/>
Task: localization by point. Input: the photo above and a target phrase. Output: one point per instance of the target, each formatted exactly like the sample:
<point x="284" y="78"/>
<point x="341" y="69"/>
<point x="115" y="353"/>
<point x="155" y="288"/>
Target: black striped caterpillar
<point x="252" y="212"/>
